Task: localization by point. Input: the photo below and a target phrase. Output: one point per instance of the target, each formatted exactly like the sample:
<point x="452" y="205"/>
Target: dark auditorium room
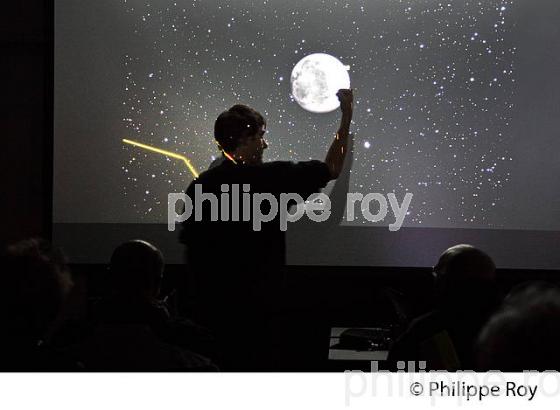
<point x="361" y="197"/>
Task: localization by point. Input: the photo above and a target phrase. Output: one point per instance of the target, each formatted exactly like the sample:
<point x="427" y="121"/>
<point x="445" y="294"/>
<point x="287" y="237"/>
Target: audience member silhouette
<point x="133" y="329"/>
<point x="35" y="283"/>
<point x="525" y="333"/>
<point x="465" y="296"/>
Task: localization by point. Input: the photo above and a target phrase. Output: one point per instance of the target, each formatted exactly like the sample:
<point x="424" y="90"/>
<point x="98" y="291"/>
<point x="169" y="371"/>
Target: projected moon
<point x="315" y="80"/>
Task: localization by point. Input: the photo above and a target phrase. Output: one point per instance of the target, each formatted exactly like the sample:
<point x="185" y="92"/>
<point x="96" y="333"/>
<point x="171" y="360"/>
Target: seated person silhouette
<point x="35" y="284"/>
<point x="133" y="330"/>
<point x="524" y="334"/>
<point x="234" y="265"/>
<point x="465" y="296"/>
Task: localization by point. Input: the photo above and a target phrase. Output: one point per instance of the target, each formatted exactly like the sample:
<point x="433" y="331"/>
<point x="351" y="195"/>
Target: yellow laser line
<point x="164" y="152"/>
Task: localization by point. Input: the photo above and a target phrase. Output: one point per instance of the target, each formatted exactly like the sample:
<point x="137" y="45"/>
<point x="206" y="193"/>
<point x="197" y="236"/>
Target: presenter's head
<point x="240" y="132"/>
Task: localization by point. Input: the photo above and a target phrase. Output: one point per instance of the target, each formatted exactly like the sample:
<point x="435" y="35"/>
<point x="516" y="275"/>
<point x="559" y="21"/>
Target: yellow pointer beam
<point x="164" y="152"/>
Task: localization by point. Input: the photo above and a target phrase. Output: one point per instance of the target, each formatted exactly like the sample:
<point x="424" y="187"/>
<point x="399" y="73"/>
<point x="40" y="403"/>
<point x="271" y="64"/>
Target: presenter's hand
<point x="346" y="98"/>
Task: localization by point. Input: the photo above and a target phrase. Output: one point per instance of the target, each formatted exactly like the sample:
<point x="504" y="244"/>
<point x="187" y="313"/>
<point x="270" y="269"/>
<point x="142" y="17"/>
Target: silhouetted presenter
<point x="231" y="252"/>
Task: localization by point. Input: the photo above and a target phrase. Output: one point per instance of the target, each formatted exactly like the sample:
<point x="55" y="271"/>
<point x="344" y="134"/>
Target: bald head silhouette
<point x="465" y="261"/>
<point x="464" y="277"/>
<point x="137" y="269"/>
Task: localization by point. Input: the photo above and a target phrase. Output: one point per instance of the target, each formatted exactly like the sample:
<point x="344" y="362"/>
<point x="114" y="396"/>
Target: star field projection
<point x="434" y="85"/>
